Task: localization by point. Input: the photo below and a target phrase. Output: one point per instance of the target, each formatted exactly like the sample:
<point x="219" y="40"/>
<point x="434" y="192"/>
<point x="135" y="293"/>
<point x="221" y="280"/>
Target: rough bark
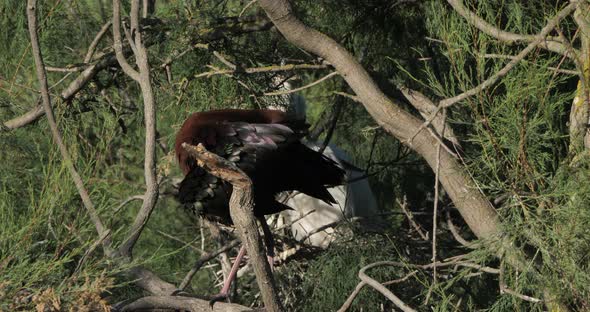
<point x="475" y="209"/>
<point x="580" y="111"/>
<point x="473" y="206"/>
<point x="175" y="303"/>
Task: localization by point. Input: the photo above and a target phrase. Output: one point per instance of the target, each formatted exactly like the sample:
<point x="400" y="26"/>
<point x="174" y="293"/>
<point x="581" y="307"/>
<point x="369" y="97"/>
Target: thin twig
<point x="91" y="249"/>
<point x="264" y="69"/>
<point x="346" y="305"/>
<point x="404" y="206"/>
<point x="576" y="57"/>
<point x="456" y="234"/>
<point x="505" y="290"/>
<point x="435" y="210"/>
<point x="246" y="7"/>
<point x="126" y="201"/>
<point x="203" y="259"/>
<point x="72" y="69"/>
<point x="40" y="68"/>
<point x="382" y="289"/>
<point x="303" y="87"/>
<point x="96" y="40"/>
<point x="555" y="69"/>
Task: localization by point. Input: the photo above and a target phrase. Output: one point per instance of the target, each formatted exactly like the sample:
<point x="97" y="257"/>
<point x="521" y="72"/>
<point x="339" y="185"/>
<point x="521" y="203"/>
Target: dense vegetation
<point x="515" y="137"/>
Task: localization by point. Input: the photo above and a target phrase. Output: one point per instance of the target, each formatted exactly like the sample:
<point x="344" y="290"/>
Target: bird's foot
<point x="219" y="297"/>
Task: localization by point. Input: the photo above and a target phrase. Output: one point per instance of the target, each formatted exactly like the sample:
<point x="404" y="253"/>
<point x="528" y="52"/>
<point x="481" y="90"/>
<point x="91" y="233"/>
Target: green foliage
<point x="514" y="138"/>
<point x="516" y="145"/>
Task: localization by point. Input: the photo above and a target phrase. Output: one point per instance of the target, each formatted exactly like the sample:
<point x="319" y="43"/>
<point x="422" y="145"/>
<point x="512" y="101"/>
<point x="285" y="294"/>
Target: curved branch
<point x="502" y="72"/>
<point x="241" y="207"/>
<point x="473" y="206"/>
<point x="382" y="289"/>
<point x="118" y="44"/>
<point x="41" y="76"/>
<point x="149" y="166"/>
<point x="508" y="37"/>
<point x="109" y="59"/>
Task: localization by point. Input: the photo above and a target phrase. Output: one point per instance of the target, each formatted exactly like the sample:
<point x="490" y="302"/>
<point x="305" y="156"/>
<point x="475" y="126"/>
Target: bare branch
<point x="426" y="107"/>
<point x="474" y="207"/>
<point x="404" y="206"/>
<point x="303" y="87"/>
<point x="118" y="43"/>
<point x="143" y="78"/>
<point x="502" y="72"/>
<point x="241" y="208"/>
<point x="109" y="59"/>
<point x="382" y="289"/>
<point x="362" y="284"/>
<point x="555" y="69"/>
<point x="178" y="303"/>
<point x="550" y="44"/>
<point x="103" y="30"/>
<point x="456" y="234"/>
<point x="352" y="296"/>
<point x="40" y="68"/>
<point x="264" y="69"/>
<point x="246" y="7"/>
<point x="72" y="69"/>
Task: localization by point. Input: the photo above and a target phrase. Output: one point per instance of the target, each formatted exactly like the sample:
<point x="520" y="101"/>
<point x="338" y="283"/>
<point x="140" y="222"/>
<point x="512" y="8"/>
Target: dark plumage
<point x="266" y="146"/>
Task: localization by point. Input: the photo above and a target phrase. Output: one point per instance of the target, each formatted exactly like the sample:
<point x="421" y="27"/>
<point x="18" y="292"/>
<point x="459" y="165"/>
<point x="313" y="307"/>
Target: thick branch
<point x="473" y="206"/>
<point x="143" y="78"/>
<point x="241" y="207"/>
<point x="177" y="303"/>
<point x="426" y="107"/>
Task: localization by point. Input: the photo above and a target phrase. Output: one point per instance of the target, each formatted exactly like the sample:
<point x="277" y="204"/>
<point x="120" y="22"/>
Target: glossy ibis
<point x="267" y="146"/>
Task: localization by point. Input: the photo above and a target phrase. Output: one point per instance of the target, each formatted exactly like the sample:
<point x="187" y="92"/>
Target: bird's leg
<point x="223" y="294"/>
<point x="269" y="242"/>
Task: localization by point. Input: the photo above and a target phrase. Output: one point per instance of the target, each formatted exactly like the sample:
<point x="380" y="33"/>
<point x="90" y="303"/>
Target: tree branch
<point x="474" y="207"/>
<point x="241" y="206"/>
<point x="41" y="76"/>
<point x="382" y="289"/>
<point x="103" y="30"/>
<point x="143" y="78"/>
<point x="178" y="303"/>
<point x="302" y="87"/>
<point x="109" y="59"/>
<point x="502" y="72"/>
<point x="118" y="44"/>
<point x="551" y="44"/>
<point x="203" y="259"/>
